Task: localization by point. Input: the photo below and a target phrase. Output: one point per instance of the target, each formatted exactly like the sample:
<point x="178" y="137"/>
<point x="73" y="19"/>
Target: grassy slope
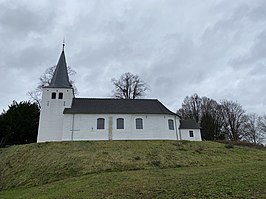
<point x="132" y="169"/>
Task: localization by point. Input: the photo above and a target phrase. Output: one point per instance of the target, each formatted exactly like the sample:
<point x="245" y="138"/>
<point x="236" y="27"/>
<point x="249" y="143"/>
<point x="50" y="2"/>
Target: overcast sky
<point x="216" y="48"/>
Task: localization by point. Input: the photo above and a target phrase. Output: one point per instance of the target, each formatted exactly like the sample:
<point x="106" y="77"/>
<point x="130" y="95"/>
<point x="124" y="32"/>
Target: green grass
<point x="132" y="169"/>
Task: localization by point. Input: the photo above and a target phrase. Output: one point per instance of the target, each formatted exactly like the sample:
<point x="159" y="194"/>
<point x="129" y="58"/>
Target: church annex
<point x="66" y="118"/>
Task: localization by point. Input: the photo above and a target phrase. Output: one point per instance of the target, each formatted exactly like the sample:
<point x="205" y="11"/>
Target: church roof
<point x="117" y="106"/>
<point x="60" y="78"/>
<point x="189" y="124"/>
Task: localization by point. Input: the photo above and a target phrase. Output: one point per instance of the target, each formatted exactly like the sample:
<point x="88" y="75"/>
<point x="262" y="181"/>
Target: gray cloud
<point x="214" y="48"/>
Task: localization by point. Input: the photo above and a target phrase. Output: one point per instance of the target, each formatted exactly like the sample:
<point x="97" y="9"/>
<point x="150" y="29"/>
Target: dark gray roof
<point x="117" y="106"/>
<point x="189" y="124"/>
<point x="60" y="78"/>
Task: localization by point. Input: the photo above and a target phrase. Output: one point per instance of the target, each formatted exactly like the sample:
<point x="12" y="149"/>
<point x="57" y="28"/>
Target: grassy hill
<point x="132" y="169"/>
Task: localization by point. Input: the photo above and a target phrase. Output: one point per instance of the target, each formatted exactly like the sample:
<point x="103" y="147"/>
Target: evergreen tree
<point x="19" y="124"/>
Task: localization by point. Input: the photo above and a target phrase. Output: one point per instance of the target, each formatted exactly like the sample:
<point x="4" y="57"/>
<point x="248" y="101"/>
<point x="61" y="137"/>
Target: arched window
<point x="120" y="123"/>
<point x="60" y="96"/>
<point x="100" y="123"/>
<point x="171" y="124"/>
<point x="139" y="123"/>
<point x="53" y="95"/>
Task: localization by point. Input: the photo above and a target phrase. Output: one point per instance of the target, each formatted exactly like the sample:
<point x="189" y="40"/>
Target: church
<point x="64" y="117"/>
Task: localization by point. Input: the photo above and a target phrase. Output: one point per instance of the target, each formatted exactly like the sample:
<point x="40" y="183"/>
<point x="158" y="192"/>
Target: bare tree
<point x="233" y="119"/>
<point x="262" y="129"/>
<point x="224" y="120"/>
<point x="129" y="86"/>
<point x="262" y="123"/>
<point x="255" y="129"/>
<point x="206" y="112"/>
<point x="251" y="131"/>
<point x="191" y="108"/>
<point x="45" y="80"/>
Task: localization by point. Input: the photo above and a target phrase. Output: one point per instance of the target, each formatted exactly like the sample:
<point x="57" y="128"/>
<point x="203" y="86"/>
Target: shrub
<point x="229" y="145"/>
<point x="199" y="149"/>
<point x="137" y="158"/>
<point x="156" y="163"/>
<point x="243" y="143"/>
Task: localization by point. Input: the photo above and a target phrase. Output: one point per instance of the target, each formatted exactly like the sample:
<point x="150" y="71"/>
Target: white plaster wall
<point x="51" y="116"/>
<point x="84" y="127"/>
<point x="185" y="134"/>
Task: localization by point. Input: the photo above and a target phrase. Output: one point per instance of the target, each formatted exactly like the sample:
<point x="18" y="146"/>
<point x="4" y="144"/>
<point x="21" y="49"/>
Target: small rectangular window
<point x="60" y="96"/>
<point x="53" y="95"/>
<point x="191" y="134"/>
<point x="171" y="124"/>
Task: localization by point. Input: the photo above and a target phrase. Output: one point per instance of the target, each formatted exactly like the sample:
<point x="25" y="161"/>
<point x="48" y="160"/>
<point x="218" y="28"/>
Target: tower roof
<point x="60" y="78"/>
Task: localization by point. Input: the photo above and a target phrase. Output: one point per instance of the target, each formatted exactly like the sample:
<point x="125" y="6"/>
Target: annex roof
<point x="60" y="78"/>
<point x="117" y="106"/>
<point x="189" y="124"/>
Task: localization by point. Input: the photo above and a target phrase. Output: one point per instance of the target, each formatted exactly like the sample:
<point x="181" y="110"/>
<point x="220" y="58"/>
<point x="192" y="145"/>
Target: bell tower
<point x="55" y="98"/>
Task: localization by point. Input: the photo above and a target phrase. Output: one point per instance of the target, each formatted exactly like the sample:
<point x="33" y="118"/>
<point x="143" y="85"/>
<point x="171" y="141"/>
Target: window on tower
<point x="60" y="96"/>
<point x="53" y="95"/>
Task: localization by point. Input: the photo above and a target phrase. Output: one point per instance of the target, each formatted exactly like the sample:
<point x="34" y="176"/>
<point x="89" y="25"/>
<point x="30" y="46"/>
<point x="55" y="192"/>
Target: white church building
<point x="66" y="118"/>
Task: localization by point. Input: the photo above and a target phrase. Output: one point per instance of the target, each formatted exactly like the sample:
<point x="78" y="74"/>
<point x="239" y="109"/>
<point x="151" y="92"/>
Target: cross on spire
<point x="64" y="43"/>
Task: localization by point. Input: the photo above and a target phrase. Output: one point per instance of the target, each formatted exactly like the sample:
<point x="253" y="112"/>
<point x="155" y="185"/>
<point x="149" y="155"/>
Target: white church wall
<point x="186" y="135"/>
<point x="51" y="117"/>
<point x="154" y="127"/>
<point x="84" y="127"/>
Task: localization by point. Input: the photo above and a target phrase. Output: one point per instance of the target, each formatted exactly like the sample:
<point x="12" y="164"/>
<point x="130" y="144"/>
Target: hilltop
<point x="132" y="169"/>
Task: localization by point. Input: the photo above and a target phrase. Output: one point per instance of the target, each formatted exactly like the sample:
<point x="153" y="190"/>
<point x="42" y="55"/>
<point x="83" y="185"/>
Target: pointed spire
<point x="60" y="78"/>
